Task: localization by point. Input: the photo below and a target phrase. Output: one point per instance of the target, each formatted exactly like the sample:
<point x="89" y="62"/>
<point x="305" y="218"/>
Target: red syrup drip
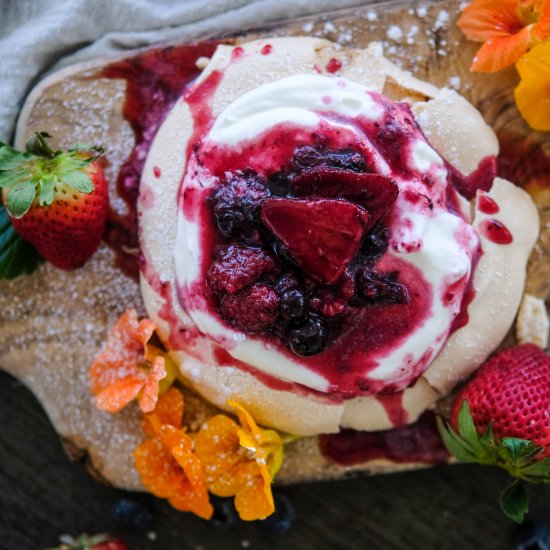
<point x="267" y="49"/>
<point x="461" y="320"/>
<point x="156" y="172"/>
<point x="333" y="66"/>
<point x="481" y="178"/>
<point x="523" y="161"/>
<point x="154" y="81"/>
<point x="418" y="442"/>
<point x="495" y="231"/>
<point x="237" y="54"/>
<point x="224" y="359"/>
<point x="393" y="405"/>
<point x="181" y="337"/>
<point x="487" y="205"/>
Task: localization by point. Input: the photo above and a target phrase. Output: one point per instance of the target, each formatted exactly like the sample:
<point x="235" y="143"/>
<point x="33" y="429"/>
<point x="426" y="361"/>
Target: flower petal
<point x="253" y="501"/>
<point x="169" y="408"/>
<point x="217" y="446"/>
<point x="533" y="92"/>
<point x="499" y="53"/>
<point x="485" y="19"/>
<point x="185" y="499"/>
<point x="150" y="392"/>
<point x="245" y="418"/>
<point x="159" y="472"/>
<point x="124" y="350"/>
<point x="541" y="31"/>
<point x="115" y="397"/>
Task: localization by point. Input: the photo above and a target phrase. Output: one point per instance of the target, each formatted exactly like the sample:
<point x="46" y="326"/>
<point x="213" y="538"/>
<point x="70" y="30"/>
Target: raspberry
<point x="253" y="309"/>
<point x="236" y="267"/>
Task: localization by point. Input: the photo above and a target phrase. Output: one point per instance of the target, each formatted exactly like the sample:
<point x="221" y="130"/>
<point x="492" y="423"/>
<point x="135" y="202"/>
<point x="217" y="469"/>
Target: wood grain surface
<point x="52" y="323"/>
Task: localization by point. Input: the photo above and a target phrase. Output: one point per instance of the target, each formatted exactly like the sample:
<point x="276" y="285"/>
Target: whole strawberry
<point x="502" y="418"/>
<point x="57" y="201"/>
<point x="96" y="542"/>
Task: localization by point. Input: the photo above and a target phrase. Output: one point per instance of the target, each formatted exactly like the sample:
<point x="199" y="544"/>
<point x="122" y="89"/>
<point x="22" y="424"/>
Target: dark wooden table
<point x="43" y="495"/>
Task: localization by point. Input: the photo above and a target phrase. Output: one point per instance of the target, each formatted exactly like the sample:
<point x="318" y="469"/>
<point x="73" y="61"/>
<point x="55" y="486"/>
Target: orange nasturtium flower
<point x="533" y="92"/>
<point x="240" y="461"/>
<point x="507" y="28"/>
<point x="129" y="367"/>
<point x="167" y="465"/>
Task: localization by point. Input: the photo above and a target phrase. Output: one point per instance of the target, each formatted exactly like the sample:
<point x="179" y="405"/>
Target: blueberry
<point x="132" y="513"/>
<point x="532" y="536"/>
<point x="282" y="252"/>
<point x="376" y="243"/>
<point x="224" y="516"/>
<point x="293" y="305"/>
<point x="282" y="520"/>
<point x="229" y="221"/>
<point x="286" y="282"/>
<point x="309" y="338"/>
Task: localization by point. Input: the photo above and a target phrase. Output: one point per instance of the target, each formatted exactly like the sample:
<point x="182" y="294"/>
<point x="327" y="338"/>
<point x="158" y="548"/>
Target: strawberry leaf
<point x="454" y="443"/>
<point x="10" y="158"/>
<point x="47" y="183"/>
<point x="520" y="451"/>
<point x="514" y="503"/>
<point x="20" y="198"/>
<point x="539" y="470"/>
<point x="78" y="180"/>
<point x="17" y="256"/>
<point x="466" y="427"/>
<point x="487" y="440"/>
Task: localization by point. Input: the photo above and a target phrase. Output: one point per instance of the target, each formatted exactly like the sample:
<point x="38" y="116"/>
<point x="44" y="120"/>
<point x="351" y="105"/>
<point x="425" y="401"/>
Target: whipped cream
<point x="424" y="236"/>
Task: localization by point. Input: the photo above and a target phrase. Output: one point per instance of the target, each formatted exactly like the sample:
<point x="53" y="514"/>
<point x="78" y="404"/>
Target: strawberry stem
<point x="40" y="172"/>
<point x="517" y="456"/>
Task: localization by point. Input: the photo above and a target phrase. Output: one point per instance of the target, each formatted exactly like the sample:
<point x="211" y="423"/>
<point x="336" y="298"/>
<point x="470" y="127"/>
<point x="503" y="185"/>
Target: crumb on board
<point x="532" y="323"/>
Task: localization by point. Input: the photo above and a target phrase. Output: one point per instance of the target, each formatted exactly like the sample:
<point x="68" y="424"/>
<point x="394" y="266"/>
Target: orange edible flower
<point x="533" y="92"/>
<point x="129" y="366"/>
<point x="167" y="465"/>
<point x="240" y="461"/>
<point x="507" y="28"/>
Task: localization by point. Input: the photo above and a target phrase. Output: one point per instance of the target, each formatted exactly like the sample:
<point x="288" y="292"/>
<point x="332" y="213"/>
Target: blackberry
<point x="381" y="289"/>
<point x="237" y="204"/>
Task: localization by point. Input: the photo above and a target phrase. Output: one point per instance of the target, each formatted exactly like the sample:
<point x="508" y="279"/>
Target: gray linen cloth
<point x="41" y="35"/>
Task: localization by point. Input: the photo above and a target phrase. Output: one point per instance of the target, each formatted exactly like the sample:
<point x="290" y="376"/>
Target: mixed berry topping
<point x="296" y="251"/>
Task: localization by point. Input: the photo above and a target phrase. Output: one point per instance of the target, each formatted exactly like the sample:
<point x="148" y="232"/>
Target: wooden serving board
<point x="52" y="323"/>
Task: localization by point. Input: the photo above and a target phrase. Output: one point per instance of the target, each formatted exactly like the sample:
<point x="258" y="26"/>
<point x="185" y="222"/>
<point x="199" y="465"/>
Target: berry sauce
<point x="362" y="304"/>
<point x="154" y="81"/>
<point x="333" y="66"/>
<point x="512" y="165"/>
<point x="495" y="231"/>
<point x="487" y="205"/>
<point x="418" y="442"/>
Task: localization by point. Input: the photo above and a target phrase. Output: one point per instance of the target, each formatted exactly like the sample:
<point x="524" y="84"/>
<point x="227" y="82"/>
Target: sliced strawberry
<point x="322" y="235"/>
<point x="374" y="192"/>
